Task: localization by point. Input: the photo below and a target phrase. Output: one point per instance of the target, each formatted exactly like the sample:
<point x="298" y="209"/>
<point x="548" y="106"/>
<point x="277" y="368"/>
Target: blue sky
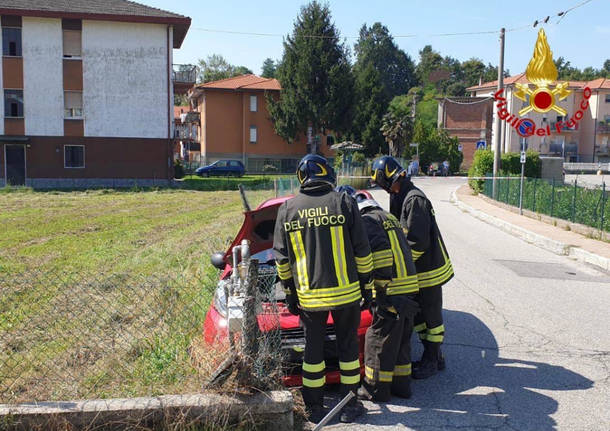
<point x="582" y="37"/>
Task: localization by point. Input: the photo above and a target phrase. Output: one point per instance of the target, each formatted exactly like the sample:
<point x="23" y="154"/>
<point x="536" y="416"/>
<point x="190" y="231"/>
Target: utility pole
<point x="498" y="122"/>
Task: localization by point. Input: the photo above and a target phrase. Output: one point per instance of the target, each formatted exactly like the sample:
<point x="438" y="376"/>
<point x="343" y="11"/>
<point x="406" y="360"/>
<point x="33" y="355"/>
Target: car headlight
<point x="220" y="298"/>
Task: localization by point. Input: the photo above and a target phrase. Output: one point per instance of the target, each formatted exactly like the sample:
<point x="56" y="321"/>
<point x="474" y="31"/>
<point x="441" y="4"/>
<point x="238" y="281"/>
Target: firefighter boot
<point x="315" y="413"/>
<point x="379" y="392"/>
<point x="351" y="411"/>
<point x="429" y="364"/>
<point x="401" y="387"/>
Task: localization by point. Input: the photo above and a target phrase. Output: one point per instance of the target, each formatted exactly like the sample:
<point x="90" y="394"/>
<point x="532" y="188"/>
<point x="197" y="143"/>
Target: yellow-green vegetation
<point x="103" y="293"/>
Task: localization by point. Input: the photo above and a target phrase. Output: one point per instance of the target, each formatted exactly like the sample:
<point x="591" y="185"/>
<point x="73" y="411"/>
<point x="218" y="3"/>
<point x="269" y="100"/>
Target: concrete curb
<point x="538" y="240"/>
<point x="271" y="411"/>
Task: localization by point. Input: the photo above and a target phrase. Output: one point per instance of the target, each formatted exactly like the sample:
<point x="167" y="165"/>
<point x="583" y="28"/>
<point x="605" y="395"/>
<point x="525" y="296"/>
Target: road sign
<point x="413" y="144"/>
<point x="460" y="148"/>
<point x="522" y="156"/>
<point x="481" y="145"/>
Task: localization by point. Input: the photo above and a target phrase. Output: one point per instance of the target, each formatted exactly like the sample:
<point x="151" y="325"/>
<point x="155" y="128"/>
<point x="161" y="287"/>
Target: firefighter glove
<point x="292" y="300"/>
<point x="292" y="303"/>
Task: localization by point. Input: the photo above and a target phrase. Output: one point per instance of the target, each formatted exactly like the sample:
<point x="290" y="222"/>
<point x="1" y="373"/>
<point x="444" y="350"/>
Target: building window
<point x="330" y="140"/>
<point x="253" y="103"/>
<point x="74" y="156"/>
<point x="73" y="104"/>
<point x="72" y="43"/>
<point x="253" y="134"/>
<point x="13" y="103"/>
<point x="11" y="42"/>
<point x="608" y="98"/>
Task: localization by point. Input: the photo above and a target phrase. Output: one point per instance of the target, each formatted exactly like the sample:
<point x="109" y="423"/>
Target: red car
<point x="258" y="228"/>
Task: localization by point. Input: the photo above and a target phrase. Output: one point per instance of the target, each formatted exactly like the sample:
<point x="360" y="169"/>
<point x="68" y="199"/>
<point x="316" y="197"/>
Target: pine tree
<point x="315" y="75"/>
<point x="382" y="71"/>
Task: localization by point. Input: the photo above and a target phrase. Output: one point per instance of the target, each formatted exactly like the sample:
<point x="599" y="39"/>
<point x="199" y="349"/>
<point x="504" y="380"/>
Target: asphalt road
<point x="527" y="337"/>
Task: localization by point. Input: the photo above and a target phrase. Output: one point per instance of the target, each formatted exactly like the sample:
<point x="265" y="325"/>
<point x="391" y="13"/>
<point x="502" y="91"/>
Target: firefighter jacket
<point x="391" y="253"/>
<point x="414" y="210"/>
<point x="320" y="243"/>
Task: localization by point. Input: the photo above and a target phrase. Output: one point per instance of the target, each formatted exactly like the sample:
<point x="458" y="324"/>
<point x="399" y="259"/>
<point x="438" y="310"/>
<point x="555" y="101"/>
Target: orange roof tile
<point x="243" y="82"/>
<point x="600" y="83"/>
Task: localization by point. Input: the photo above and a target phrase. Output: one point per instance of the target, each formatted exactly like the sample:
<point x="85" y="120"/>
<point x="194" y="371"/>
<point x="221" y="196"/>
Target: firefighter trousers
<point x="387" y="354"/>
<point x="346" y="323"/>
<point x="429" y="321"/>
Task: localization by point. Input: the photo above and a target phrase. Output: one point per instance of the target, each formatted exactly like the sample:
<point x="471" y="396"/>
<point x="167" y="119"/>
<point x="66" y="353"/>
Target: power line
<point x="542" y="20"/>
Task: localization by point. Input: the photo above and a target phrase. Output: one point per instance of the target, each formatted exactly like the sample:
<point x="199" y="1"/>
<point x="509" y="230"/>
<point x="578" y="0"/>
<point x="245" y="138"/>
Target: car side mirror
<point x="218" y="260"/>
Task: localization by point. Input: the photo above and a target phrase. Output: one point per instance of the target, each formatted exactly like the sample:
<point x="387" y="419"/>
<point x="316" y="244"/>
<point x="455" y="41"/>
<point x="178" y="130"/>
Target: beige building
<point x="580" y="136"/>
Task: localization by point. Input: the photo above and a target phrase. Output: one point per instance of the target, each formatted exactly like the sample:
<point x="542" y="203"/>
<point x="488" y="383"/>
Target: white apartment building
<point x="87" y="92"/>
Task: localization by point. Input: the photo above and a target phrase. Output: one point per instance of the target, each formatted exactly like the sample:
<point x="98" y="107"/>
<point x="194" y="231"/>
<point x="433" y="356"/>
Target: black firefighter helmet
<point x="385" y="171"/>
<point x="314" y="168"/>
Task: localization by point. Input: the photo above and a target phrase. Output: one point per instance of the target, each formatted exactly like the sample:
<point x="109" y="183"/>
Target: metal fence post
<point x="534" y="202"/>
<point x="552" y="197"/>
<point x="603" y="206"/>
<point x="574" y="203"/>
<point x="507" y="189"/>
<point x="275" y="186"/>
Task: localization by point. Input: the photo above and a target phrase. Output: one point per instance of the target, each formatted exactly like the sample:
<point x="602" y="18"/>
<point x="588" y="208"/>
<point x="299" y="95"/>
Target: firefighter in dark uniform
<point x="324" y="262"/>
<point x="387" y="356"/>
<point x="411" y="206"/>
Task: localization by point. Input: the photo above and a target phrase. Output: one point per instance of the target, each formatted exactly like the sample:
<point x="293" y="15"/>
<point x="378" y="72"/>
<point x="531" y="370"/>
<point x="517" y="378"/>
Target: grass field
<point x="103" y="293"/>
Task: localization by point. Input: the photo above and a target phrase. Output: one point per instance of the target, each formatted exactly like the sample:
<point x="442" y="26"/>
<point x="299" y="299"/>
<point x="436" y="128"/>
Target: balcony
<point x="603" y="127"/>
<point x="564" y="127"/>
<point x="184" y="77"/>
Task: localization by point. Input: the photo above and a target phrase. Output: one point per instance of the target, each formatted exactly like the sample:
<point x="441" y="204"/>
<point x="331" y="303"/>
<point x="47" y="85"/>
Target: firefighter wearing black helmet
<point x="414" y="210"/>
<point x="324" y="261"/>
<point x="387" y="356"/>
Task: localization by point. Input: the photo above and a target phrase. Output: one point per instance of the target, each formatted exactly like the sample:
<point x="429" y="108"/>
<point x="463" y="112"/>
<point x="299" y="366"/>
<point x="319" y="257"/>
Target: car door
<point x="220" y="168"/>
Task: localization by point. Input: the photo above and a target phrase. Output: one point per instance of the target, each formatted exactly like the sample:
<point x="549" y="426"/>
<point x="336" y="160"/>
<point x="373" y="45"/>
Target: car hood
<point x="257" y="227"/>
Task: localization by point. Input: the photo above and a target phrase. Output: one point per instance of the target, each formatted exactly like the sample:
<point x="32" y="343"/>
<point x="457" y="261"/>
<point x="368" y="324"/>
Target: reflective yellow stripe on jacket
<point x="403" y="282"/>
<point x="383" y="258"/>
<point x="284" y="271"/>
<point x="436" y="276"/>
<point x="296" y="239"/>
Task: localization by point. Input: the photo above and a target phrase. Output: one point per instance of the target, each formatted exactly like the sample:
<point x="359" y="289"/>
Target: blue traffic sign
<point x="481" y="145"/>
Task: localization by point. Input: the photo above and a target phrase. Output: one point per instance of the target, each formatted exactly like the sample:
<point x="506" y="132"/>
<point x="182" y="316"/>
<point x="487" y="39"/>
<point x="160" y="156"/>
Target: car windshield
<point x="265" y="257"/>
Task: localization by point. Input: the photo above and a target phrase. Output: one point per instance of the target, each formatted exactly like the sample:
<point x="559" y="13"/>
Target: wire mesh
<point x="75" y="335"/>
<point x="586" y="205"/>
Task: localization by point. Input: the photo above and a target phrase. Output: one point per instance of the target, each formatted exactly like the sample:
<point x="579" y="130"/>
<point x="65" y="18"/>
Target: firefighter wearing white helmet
<point x="387" y="348"/>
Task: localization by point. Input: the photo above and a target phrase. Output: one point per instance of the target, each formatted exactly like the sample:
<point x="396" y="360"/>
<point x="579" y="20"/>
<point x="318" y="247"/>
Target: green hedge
<point x="483" y="162"/>
<point x="251" y="182"/>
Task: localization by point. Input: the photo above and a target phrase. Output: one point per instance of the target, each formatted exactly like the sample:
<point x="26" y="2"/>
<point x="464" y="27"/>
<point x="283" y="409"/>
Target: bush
<point x="358" y="158"/>
<point x="482" y="165"/>
<point x="178" y="169"/>
<point x="511" y="164"/>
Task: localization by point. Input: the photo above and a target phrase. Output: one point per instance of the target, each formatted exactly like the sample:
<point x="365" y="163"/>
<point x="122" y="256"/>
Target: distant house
<point x="235" y="124"/>
<point x="587" y="141"/>
<point x="469" y="119"/>
<point x="186" y="134"/>
<point x="88" y="92"/>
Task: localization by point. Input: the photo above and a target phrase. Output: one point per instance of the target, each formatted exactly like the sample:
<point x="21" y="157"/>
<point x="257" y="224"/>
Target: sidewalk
<point x="549" y="237"/>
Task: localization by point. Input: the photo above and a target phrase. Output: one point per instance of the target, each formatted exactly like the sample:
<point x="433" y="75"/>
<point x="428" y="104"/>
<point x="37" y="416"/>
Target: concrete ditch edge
<point x="272" y="411"/>
<point x="538" y="240"/>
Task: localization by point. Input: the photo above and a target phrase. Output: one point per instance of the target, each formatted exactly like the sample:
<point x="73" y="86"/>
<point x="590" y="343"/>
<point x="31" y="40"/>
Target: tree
<point x="269" y="68"/>
<point x="396" y="128"/>
<point x="215" y="67"/>
<point x="317" y="84"/>
<point x="381" y="71"/>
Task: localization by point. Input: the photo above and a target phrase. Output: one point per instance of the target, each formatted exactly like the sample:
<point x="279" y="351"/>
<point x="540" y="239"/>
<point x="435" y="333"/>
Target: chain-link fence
<point x="74" y="335"/>
<point x="585" y="205"/>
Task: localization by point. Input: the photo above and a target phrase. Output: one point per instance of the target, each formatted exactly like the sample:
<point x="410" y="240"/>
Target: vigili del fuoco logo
<point x="541" y="72"/>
